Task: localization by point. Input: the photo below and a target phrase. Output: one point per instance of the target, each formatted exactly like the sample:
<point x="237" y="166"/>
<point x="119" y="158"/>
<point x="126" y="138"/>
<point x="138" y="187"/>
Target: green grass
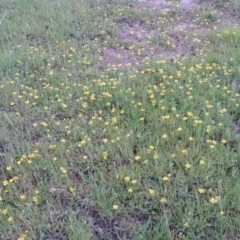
<point x="95" y="147"/>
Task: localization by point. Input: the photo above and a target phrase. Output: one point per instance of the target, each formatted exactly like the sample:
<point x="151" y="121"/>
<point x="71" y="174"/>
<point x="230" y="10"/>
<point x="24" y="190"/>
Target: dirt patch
<point x="165" y="6"/>
<point x="184" y="26"/>
<point x="111" y="228"/>
<point x="161" y="5"/>
<point x="117" y="57"/>
<point x="236" y="128"/>
<point x="188" y="5"/>
<point x="136" y="33"/>
<point x="139" y="41"/>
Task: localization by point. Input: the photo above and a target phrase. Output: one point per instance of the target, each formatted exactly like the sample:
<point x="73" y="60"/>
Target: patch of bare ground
<point x="116" y="57"/>
<point x="136" y="33"/>
<point x="114" y="228"/>
<point x="229" y="23"/>
<point x="188" y="5"/>
<point x="118" y="227"/>
<point x="227" y="20"/>
<point x="161" y="5"/>
<point x="184" y="26"/>
<point x="236" y="128"/>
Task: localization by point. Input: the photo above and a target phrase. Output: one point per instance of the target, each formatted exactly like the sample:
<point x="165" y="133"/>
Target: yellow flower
<point x="202" y="162"/>
<point x="5" y="183"/>
<point x="44" y="124"/>
<point x="15" y="178"/>
<point x="163" y="200"/>
<point x="52" y="146"/>
<point x="63" y="170"/>
<point x="165" y="178"/>
<point x="127" y="179"/>
<point x="186" y="225"/>
<point x="213" y="200"/>
<point x="9" y="168"/>
<point x="22" y="196"/>
<point x="84" y="104"/>
<point x="115" y="207"/>
<point x="151" y="192"/>
<point x="10" y="219"/>
<point x="222" y="213"/>
<point x="64" y="105"/>
<point x="137" y="157"/>
<point x="130" y="190"/>
<point x="114" y="120"/>
<point x="35" y="200"/>
<point x="105" y="140"/>
<point x="3" y="211"/>
<point x="188" y="165"/>
<point x="105" y="155"/>
<point x="164" y="136"/>
<point x="201" y="190"/>
<point x="22" y="237"/>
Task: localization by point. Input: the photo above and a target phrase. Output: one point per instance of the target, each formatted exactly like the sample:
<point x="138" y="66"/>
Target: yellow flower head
<point x="202" y="162"/>
<point x="201" y="190"/>
<point x="188" y="165"/>
<point x="115" y="207"/>
<point x="151" y="192"/>
<point x="138" y="158"/>
<point x="164" y="136"/>
<point x="163" y="200"/>
<point x="166" y="178"/>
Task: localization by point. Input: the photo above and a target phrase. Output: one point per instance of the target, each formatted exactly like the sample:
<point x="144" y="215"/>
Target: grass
<point x="99" y="145"/>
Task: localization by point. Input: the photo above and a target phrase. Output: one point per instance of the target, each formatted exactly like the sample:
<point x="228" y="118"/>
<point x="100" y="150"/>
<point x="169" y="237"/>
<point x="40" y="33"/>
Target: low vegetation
<point x="119" y="119"/>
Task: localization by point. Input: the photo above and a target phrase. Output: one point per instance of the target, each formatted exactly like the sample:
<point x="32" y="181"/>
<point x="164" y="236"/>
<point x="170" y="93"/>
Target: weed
<point x="118" y="120"/>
